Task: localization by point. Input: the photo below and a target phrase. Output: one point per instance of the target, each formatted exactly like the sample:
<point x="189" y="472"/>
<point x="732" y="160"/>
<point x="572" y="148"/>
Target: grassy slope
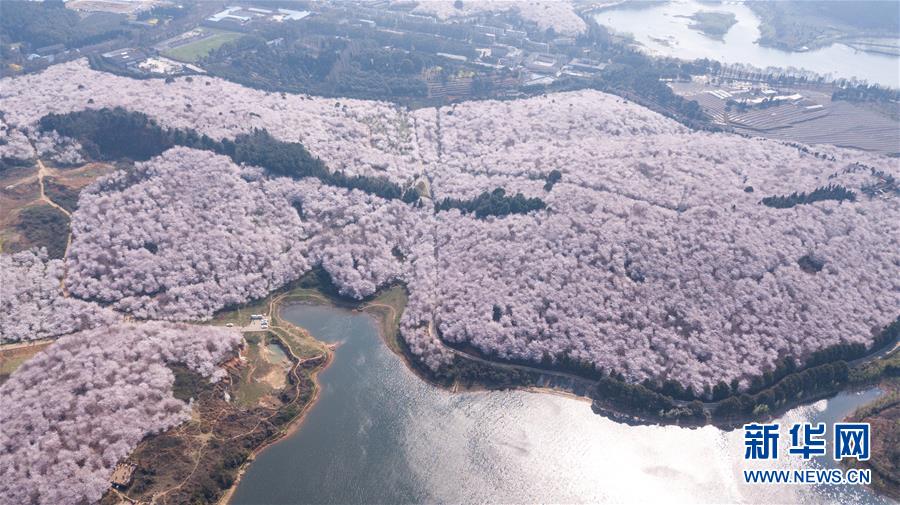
<point x="26" y="221"/>
<point x="11" y="359"/>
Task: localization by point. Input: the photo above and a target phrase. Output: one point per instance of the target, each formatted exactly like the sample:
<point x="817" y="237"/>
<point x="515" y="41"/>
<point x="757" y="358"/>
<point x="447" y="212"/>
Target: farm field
<point x="846" y="125"/>
<point x="815" y="119"/>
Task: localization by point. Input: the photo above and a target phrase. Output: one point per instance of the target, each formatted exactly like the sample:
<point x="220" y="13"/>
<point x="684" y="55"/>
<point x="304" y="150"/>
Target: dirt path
<point x="297" y="360"/>
<point x="122" y="496"/>
<point x="295" y="424"/>
<point x="711" y="405"/>
<point x="42" y="172"/>
<point x="198" y="459"/>
<point x="389" y="307"/>
<point x="514" y="366"/>
<point x="29" y="343"/>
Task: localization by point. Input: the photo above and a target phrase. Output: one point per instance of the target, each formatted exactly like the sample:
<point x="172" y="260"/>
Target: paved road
<point x="709" y="405"/>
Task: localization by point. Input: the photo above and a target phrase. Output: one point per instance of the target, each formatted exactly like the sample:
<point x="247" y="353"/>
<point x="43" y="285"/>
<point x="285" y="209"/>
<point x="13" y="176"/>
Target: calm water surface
<point x="662" y="31"/>
<point x="380" y="435"/>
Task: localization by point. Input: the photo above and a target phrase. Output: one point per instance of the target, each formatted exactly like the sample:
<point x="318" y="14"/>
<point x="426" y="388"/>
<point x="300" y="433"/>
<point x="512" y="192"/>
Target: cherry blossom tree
<point x="14" y="144"/>
<point x="358" y="137"/>
<point x="72" y="412"/>
<point x="653" y="257"/>
<point x="148" y="246"/>
<point x="31" y="302"/>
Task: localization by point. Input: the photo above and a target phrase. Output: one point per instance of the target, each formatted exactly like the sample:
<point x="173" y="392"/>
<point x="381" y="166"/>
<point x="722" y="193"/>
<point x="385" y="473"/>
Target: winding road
<point x="588" y="382"/>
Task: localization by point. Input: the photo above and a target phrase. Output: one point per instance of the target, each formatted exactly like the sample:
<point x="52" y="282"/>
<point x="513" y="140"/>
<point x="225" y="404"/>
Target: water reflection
<point x="381" y="435"/>
<point x="663" y="30"/>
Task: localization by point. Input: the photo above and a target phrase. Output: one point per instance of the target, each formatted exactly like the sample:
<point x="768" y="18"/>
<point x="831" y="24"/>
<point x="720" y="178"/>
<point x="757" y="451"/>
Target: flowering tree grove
<point x="651" y="255"/>
<point x="31" y="302"/>
<point x="77" y="408"/>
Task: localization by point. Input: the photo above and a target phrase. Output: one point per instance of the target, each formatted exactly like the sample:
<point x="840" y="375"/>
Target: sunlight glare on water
<point x="380" y="434"/>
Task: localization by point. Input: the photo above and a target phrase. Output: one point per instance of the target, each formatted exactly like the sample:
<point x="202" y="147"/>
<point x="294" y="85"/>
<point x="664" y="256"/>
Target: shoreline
<point x="289" y="430"/>
<point x="325" y="296"/>
<point x="395" y="345"/>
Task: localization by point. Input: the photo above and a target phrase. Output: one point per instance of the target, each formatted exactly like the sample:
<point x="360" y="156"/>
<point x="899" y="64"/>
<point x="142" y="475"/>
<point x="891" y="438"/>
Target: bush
<point x="830" y="192"/>
<point x="111" y="134"/>
<point x="495" y="203"/>
<point x="45" y="226"/>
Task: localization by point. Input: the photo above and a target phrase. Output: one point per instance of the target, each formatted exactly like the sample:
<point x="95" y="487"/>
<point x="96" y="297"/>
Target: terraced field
<point x="814" y="120"/>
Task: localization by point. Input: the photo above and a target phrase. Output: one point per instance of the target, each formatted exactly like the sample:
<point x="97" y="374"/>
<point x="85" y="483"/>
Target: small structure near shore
<point x="122" y="475"/>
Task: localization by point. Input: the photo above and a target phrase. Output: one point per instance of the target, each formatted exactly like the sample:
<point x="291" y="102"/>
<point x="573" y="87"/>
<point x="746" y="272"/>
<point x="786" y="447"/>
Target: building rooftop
<point x="457" y="57"/>
<point x="246" y="14"/>
<point x="122" y="475"/>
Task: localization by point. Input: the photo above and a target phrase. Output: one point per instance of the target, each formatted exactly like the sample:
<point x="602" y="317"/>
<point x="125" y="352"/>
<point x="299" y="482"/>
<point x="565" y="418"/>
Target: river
<point x="379" y="434"/>
<point x="663" y="30"/>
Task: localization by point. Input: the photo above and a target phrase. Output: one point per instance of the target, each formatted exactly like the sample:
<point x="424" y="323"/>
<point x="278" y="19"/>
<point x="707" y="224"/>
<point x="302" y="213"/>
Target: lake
<point x="379" y="434"/>
<point x="662" y="32"/>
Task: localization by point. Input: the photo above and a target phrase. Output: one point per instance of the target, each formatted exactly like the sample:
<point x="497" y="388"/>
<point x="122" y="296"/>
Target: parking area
<point x="258" y="322"/>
